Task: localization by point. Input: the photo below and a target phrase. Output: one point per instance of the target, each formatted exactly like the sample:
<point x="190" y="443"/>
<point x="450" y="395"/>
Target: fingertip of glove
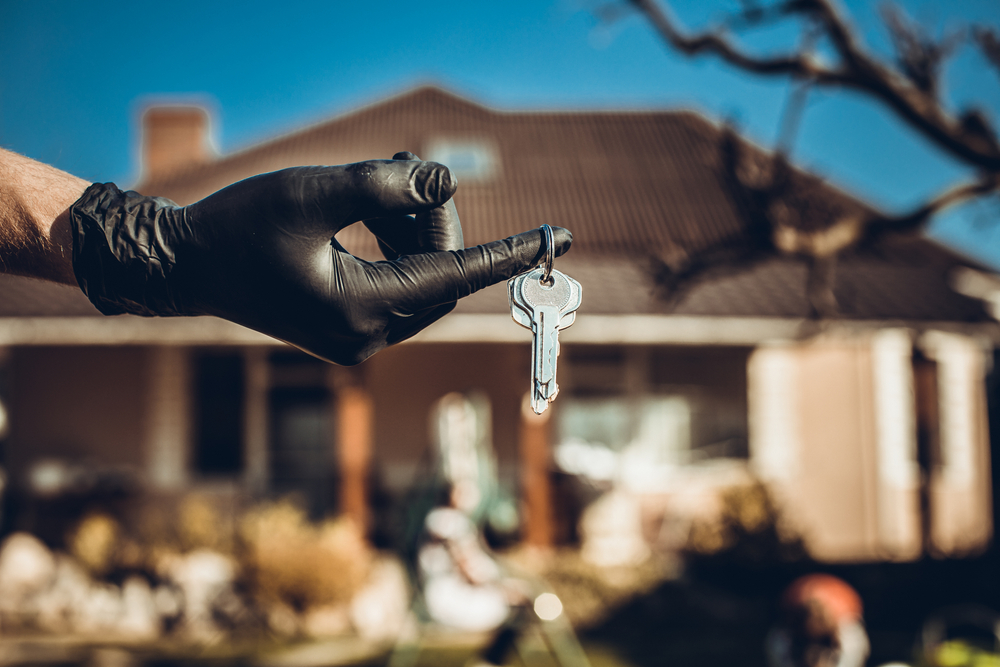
<point x="436" y="182"/>
<point x="530" y="247"/>
<point x="405" y="155"/>
<point x="562" y="239"/>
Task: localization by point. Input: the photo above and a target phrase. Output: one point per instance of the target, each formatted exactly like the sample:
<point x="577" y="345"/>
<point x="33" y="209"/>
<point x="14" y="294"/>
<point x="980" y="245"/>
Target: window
<point x="469" y="159"/>
<point x="302" y="446"/>
<point x="611" y="437"/>
<point x="713" y="380"/>
<point x="219" y="388"/>
<point x="635" y="414"/>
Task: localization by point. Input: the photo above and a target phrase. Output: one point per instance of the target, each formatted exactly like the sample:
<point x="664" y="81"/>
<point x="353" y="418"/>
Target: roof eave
<point x="469" y="328"/>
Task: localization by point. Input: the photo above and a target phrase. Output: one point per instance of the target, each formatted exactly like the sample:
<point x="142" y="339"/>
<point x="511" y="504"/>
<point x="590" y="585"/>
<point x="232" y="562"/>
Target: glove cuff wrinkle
<point x="121" y="256"/>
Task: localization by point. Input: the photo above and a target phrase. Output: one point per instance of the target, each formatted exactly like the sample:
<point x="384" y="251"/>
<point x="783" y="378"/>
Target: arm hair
<point x="35" y="238"/>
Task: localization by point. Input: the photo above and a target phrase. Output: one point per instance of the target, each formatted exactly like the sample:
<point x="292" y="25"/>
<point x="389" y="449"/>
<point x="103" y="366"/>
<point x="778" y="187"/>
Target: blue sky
<point x="74" y="76"/>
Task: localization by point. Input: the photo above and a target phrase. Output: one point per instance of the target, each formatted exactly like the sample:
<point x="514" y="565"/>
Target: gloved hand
<point x="261" y="253"/>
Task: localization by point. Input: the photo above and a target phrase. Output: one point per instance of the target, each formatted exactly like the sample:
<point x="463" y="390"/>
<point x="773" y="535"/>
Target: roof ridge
<point x="194" y="169"/>
<point x="413" y="92"/>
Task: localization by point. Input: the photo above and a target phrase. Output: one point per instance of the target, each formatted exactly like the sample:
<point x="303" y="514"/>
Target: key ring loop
<point x="550" y="255"/>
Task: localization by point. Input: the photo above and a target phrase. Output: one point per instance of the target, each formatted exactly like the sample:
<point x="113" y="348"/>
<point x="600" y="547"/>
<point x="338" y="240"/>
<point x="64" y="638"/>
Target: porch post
<point x="255" y="420"/>
<point x="168" y="421"/>
<point x="355" y="432"/>
<point x="536" y="489"/>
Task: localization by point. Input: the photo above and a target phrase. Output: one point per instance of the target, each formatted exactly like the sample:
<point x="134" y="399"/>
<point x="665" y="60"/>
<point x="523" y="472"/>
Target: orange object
<point x="833" y="595"/>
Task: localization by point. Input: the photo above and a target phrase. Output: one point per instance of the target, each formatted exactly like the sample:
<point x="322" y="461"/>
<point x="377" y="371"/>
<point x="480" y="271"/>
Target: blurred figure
<point x="461" y="582"/>
<point x="463" y="585"/>
<point x="465" y="588"/>
<point x="821" y="625"/>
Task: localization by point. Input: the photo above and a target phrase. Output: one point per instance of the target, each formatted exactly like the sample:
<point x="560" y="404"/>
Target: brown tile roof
<point x="901" y="279"/>
<point x="622" y="181"/>
<point x="626" y="183"/>
<point x="904" y="280"/>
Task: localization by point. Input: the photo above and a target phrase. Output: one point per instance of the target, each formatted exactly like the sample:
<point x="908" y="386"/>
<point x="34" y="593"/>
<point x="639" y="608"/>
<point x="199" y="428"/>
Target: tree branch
<point x="919" y="55"/>
<point x="791" y="214"/>
<point x="974" y="143"/>
<point x="919" y="217"/>
<point x="851" y="230"/>
<point x="989" y="43"/>
<point x="796" y="65"/>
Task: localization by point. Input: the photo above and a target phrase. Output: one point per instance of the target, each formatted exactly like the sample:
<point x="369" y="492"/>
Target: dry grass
<point x="95" y="541"/>
<point x="283" y="557"/>
<point x="750" y="527"/>
<point x="591" y="593"/>
<point x="295" y="562"/>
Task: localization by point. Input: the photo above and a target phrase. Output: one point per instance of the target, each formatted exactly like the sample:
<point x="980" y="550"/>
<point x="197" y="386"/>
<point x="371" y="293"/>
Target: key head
<point x="568" y="312"/>
<point x="563" y="293"/>
<point x="556" y="294"/>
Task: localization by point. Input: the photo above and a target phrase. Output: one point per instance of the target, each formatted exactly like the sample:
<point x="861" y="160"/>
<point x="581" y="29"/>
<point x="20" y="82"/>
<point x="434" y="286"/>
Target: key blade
<point x="545" y="332"/>
<point x="545" y="326"/>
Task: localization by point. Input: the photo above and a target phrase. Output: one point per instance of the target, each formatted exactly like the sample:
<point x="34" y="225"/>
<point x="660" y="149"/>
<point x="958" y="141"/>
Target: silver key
<point x="545" y="308"/>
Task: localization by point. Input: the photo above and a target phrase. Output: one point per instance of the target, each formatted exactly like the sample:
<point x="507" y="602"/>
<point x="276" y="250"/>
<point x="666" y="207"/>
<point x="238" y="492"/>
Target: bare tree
<point x="783" y="205"/>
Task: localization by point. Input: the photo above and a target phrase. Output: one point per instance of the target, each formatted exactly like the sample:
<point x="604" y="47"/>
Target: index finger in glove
<point x="415" y="282"/>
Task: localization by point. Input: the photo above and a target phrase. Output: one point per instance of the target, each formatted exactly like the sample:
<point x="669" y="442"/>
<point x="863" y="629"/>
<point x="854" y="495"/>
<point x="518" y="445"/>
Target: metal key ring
<point x="550" y="255"/>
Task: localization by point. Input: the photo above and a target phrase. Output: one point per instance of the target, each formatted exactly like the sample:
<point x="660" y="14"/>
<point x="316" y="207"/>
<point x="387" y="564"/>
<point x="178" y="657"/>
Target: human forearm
<point x="35" y="238"/>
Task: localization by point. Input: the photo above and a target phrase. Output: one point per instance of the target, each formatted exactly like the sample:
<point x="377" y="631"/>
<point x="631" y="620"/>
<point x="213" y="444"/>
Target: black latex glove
<point x="261" y="253"/>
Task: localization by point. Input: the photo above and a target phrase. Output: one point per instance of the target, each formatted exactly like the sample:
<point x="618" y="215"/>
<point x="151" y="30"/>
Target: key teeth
<point x="540" y="402"/>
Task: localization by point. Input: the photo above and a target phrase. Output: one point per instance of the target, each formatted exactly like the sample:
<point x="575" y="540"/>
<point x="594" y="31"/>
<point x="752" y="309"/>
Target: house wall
<point x="79" y="403"/>
<point x="831" y="422"/>
<point x="136" y="406"/>
<point x="837" y="488"/>
<point x="833" y="432"/>
<point x="715" y="378"/>
<point x="407" y="380"/>
<point x="811" y="439"/>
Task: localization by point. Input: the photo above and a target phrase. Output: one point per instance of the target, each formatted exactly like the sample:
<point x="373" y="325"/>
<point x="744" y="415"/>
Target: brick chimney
<point x="173" y="137"/>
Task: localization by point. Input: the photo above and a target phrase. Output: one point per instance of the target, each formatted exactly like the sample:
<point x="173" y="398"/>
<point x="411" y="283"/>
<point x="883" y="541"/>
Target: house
<point x="870" y="429"/>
